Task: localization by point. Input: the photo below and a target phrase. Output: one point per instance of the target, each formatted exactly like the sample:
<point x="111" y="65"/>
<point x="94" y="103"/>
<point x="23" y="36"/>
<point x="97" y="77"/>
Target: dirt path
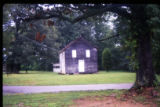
<point x="42" y="89"/>
<point x="108" y="101"/>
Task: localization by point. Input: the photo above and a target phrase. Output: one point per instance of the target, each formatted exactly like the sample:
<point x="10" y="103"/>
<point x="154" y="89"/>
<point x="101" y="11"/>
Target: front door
<point x="81" y="65"/>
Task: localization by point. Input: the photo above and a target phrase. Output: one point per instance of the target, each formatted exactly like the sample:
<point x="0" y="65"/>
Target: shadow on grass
<point x="31" y="72"/>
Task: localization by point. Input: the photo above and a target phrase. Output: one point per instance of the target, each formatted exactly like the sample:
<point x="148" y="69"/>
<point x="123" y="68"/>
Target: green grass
<point x="52" y="99"/>
<point x="50" y="78"/>
<point x="63" y="99"/>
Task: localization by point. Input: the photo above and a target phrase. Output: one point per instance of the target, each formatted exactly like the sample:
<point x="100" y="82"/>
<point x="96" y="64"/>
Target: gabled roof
<point x="74" y="41"/>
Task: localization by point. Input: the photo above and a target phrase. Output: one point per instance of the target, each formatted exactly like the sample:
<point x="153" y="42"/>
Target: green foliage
<point x="132" y="45"/>
<point x="128" y="41"/>
<point x="7" y="39"/>
<point x="40" y="56"/>
<point x="31" y="54"/>
<point x="153" y="13"/>
<point x="156" y="52"/>
<point x="102" y="30"/>
<point x="106" y="59"/>
<point x="119" y="60"/>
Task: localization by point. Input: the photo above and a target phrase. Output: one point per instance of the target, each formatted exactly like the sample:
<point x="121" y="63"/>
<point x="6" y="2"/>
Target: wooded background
<point x="34" y="33"/>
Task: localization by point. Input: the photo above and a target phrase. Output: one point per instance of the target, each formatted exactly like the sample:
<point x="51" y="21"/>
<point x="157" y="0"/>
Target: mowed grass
<point x="50" y="78"/>
<point x="63" y="99"/>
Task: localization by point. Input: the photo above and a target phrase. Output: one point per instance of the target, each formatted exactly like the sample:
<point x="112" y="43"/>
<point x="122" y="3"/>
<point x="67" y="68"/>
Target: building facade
<point x="79" y="56"/>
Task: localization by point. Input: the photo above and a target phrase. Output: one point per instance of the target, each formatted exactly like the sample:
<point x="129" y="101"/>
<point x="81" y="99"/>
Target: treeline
<point x="37" y="43"/>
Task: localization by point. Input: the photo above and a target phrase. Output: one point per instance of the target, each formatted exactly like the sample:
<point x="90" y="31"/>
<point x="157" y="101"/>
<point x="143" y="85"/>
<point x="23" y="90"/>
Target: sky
<point x="110" y="22"/>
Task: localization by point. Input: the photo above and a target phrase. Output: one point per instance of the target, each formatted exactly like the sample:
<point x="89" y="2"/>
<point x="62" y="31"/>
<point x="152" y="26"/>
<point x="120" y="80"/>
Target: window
<point x="74" y="54"/>
<point x="87" y="53"/>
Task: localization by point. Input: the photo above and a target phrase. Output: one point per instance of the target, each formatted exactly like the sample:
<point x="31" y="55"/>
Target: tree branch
<point x="89" y="12"/>
<point x="110" y="8"/>
<point x="46" y="17"/>
<point x="107" y="38"/>
<point x="37" y="43"/>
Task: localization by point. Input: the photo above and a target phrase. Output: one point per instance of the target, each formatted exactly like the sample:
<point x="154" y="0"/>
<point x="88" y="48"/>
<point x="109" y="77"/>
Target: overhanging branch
<point x="107" y="38"/>
<point x="115" y="8"/>
<point x="47" y="17"/>
<point x="37" y="43"/>
<point x="110" y="8"/>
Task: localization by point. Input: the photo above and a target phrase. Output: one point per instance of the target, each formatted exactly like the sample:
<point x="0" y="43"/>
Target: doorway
<point x="81" y="65"/>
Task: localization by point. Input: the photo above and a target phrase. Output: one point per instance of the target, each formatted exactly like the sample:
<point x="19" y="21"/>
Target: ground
<point x="145" y="97"/>
<point x="63" y="88"/>
<point x="50" y="78"/>
<point x="109" y="98"/>
<point x="148" y="97"/>
<point x="108" y="101"/>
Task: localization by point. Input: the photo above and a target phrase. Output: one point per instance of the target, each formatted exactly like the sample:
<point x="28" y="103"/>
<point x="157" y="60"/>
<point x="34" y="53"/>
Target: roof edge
<point x="74" y="41"/>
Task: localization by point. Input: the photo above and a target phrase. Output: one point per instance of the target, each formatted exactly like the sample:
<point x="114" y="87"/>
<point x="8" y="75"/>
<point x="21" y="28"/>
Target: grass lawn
<point x="50" y="78"/>
<point x="67" y="99"/>
<point x="51" y="99"/>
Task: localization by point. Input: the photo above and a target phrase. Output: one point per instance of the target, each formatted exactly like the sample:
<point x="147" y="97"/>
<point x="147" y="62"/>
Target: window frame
<point x="74" y="53"/>
<point x="88" y="53"/>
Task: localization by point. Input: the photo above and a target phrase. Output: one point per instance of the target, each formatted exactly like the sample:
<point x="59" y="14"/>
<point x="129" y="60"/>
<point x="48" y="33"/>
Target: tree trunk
<point x="13" y="68"/>
<point x="145" y="75"/>
<point x="26" y="70"/>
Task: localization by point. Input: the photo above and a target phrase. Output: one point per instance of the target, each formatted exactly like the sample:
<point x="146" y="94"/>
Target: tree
<point x="106" y="59"/>
<point x="21" y="49"/>
<point x="91" y="29"/>
<point x="141" y="37"/>
<point x="156" y="51"/>
<point x="138" y="16"/>
<point x="43" y="52"/>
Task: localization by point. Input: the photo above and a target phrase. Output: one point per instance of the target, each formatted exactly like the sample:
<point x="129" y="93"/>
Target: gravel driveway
<point x="63" y="88"/>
